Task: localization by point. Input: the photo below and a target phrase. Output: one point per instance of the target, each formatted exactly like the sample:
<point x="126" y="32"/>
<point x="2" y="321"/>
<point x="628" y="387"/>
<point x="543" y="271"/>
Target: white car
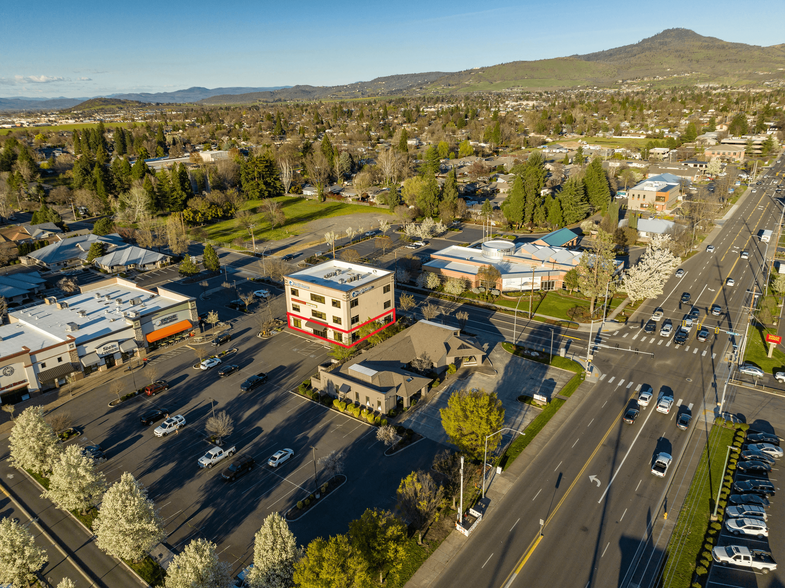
<point x="710" y="249"/>
<point x="645" y="397"/>
<point x="679" y="273"/>
<point x="780" y="376"/>
<point x="664" y="405"/>
<point x="751" y="370"/>
<point x="657" y="316"/>
<point x="745" y="255"/>
<point x="767" y="448"/>
<point x="262" y="293"/>
<point x="280" y="457"/>
<point x="666" y="330"/>
<point x="730" y="282"/>
<point x="209" y="363"/>
<point x="170" y="425"/>
<point x="747" y="526"/>
<point x="661" y="464"/>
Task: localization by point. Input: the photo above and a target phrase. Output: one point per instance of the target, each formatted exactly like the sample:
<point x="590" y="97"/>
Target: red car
<point x="156" y="387"/>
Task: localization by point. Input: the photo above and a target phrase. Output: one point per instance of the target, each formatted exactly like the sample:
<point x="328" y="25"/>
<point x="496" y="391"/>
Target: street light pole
<point x="515" y="318"/>
<point x="212" y="405"/>
<point x="485" y="455"/>
<point x="550" y="357"/>
<point x="717" y="501"/>
<point x="588" y="347"/>
<point x="315" y="474"/>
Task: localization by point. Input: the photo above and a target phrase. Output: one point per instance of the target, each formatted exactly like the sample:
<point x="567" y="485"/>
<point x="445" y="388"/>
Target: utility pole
<point x="315" y="474"/>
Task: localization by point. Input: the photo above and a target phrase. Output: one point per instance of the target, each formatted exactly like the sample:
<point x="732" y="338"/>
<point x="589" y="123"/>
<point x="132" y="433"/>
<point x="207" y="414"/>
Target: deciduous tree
<point x="418" y="499"/>
<point x="33" y="444"/>
<point x="470" y="416"/>
<point x="220" y="425"/>
<point x="596" y="268"/>
<point x="210" y="259"/>
<point x="380" y="539"/>
<point x="75" y="484"/>
<point x="198" y="566"/>
<point x="646" y="279"/>
<point x="332" y="562"/>
<point x="20" y="557"/>
<point x="275" y="555"/>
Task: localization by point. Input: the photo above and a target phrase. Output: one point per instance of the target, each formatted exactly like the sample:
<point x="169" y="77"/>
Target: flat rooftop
<point x="339" y="275"/>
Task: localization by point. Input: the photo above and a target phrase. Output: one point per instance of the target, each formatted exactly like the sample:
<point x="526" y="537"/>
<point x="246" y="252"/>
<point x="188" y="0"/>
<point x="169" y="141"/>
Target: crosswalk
<point x="644" y="339"/>
<point x="629" y="384"/>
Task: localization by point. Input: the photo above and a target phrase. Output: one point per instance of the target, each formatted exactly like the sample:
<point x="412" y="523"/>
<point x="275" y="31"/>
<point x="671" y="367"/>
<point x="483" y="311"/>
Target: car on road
<point x="657" y="315"/>
<point x="421" y="243"/>
<point x="746" y="511"/>
<point x="650" y="327"/>
<point x="170" y="425"/>
<point x="280" y="457"/>
<point x="289" y="256"/>
<point x="631" y="415"/>
<point x="410" y="246"/>
<point x="154" y="415"/>
<point x="238" y="468"/>
<point x="745" y="499"/>
<point x="227" y="370"/>
<point x="753" y="467"/>
<point x="645" y="396"/>
<point x="262" y="293"/>
<point x="751" y="527"/>
<point x="703" y="334"/>
<point x="710" y="249"/>
<point x="253" y="382"/>
<point x="667" y="328"/>
<point x="751" y="370"/>
<point x="694" y="313"/>
<point x="665" y="403"/>
<point x="685" y="297"/>
<point x="750" y="455"/>
<point x="661" y="464"/>
<point x="679" y="273"/>
<point x="683" y="421"/>
<point x="680" y="338"/>
<point x="730" y="282"/>
<point x="156" y="387"/>
<point x="370" y="233"/>
<point x="762" y="487"/>
<point x="221" y="339"/>
<point x="767" y="448"/>
<point x="209" y="363"/>
<point x="762" y="438"/>
<point x="716" y="310"/>
<point x="93" y="451"/>
<point x="745" y="255"/>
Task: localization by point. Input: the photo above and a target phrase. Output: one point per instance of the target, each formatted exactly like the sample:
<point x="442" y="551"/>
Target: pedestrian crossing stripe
<point x="612" y="378"/>
<point x="638" y="388"/>
<point x="694" y="351"/>
<point x="660" y="343"/>
<point x="629" y="385"/>
<point x="625" y="334"/>
<point x="620" y="383"/>
<point x="602" y="377"/>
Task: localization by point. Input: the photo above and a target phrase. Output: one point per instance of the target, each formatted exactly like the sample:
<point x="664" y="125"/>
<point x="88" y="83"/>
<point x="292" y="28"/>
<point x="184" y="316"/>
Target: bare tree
<point x="384" y="243"/>
<point x="332" y="463"/>
<point x="318" y="169"/>
<point x="388" y="164"/>
<point x="175" y="233"/>
<point x="350" y="255"/>
<point x="220" y="425"/>
<point x="430" y="311"/>
<point x="59" y="421"/>
<point x="406" y="301"/>
<point x="330" y="238"/>
<point x="286" y="173"/>
<point x="247" y="298"/>
<point x="448" y="464"/>
<point x="152" y="372"/>
<point x="351" y="232"/>
<point x="388" y="435"/>
<point x="273" y="212"/>
<point x="212" y="318"/>
<point x="462" y="317"/>
<point x="200" y="352"/>
<point x="115" y="388"/>
<point x="421" y="363"/>
<point x="67" y="285"/>
<point x="9" y="408"/>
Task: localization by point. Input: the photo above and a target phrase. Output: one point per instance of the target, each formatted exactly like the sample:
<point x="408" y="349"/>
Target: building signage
<point x="776" y="339"/>
<point x="356" y="293"/>
<point x="298" y="285"/>
<point x="108" y="348"/>
<point x="8" y="371"/>
<point x="14" y="385"/>
<point x="172" y="318"/>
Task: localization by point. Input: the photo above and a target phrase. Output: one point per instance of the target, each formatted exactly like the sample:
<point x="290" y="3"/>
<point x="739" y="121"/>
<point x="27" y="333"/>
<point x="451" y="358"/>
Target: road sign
<point x="776" y="339"/>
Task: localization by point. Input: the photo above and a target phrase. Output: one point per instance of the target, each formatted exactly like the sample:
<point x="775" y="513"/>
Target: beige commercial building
<point x="333" y="300"/>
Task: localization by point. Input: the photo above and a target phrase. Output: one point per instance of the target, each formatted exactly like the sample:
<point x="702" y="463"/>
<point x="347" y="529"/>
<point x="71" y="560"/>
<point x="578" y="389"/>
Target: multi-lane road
<point x="592" y="484"/>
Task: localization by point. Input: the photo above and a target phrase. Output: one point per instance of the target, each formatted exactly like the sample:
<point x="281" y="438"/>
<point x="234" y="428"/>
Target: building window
<point x="317" y="314"/>
<point x="357" y="397"/>
<point x="386" y="289"/>
<point x="43" y="365"/>
<point x="337" y="320"/>
<point x="336" y="303"/>
<point x="297" y="323"/>
<point x="387" y="304"/>
<point x="368" y="401"/>
<point x="296" y="307"/>
<point x="354" y="303"/>
<point x="355" y="319"/>
<point x="337" y="336"/>
<point x="379" y="405"/>
<point x="59" y="360"/>
<point x="294" y="291"/>
<point x="317" y="298"/>
<point x="548" y="285"/>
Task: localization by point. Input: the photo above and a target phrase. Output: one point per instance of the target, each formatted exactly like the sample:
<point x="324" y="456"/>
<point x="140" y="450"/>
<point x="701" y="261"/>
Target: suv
<point x="685" y="297"/>
<point x="156" y="387"/>
<point x="221" y="339"/>
<point x="253" y="382"/>
<point x="239" y="467"/>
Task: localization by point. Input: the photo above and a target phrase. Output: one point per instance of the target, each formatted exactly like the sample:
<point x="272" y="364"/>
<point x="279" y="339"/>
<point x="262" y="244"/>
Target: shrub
<point x="392" y="412"/>
<point x="413" y="403"/>
<point x="307" y="383"/>
<point x="324" y="487"/>
<point x="300" y="504"/>
<point x="696" y="585"/>
<point x="400" y="430"/>
<point x="743" y="427"/>
<point x="705" y="563"/>
<point x="451" y="369"/>
<point x="377" y="420"/>
<point x="706" y="555"/>
<point x="307" y="501"/>
<point x="370" y="417"/>
<point x="311" y="497"/>
<point x="302" y="389"/>
<point x="337" y="404"/>
<point x="435" y="383"/>
<point x="710" y="542"/>
<point x="716" y="526"/>
<point x="701" y="570"/>
<point x="383" y="423"/>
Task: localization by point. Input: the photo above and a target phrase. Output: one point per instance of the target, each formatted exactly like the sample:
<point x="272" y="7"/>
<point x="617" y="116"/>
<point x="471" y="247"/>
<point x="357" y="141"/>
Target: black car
<point x="239" y="467"/>
<point x="289" y="256"/>
<point x="684" y="421"/>
<point x="749" y="499"/>
<point x="221" y="339"/>
<point x="680" y="338"/>
<point x="753" y="467"/>
<point x="762" y="487"/>
<point x="694" y="313"/>
<point x="685" y="297"/>
<point x="227" y="369"/>
<point x="93" y="451"/>
<point x="153" y="415"/>
<point x="631" y="415"/>
<point x="650" y="327"/>
<point x="253" y="382"/>
<point x="763" y="438"/>
<point x="237" y="305"/>
<point x="751" y="455"/>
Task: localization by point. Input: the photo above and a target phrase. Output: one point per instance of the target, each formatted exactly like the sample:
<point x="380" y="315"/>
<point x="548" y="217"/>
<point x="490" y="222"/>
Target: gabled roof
<point x="130" y="255"/>
<point x="654" y="225"/>
<point x="74" y="248"/>
<point x="558" y="238"/>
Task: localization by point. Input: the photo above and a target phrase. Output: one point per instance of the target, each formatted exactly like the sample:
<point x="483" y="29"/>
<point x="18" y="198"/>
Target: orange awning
<point x="159" y="334"/>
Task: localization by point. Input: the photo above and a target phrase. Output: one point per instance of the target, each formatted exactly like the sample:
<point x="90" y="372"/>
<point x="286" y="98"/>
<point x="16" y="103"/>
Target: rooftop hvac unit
<point x="107" y="311"/>
<point x="97" y="296"/>
<point x="62" y="305"/>
<point x="71" y="327"/>
<point x="50" y="300"/>
<point x="135" y="301"/>
<point x="81" y="312"/>
<point x="118" y="302"/>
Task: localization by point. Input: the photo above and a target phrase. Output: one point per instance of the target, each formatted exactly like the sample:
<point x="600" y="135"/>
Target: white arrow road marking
<point x="593" y="479"/>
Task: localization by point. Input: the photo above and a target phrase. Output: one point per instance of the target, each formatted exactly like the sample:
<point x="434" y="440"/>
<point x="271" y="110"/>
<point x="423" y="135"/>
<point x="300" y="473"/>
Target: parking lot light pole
<point x="315" y="475"/>
<point x="717" y="501"/>
<point x="485" y="456"/>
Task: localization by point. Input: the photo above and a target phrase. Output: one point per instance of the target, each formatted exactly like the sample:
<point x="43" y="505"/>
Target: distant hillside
<point x="98" y="104"/>
<point x="26" y="103"/>
<point x="194" y="94"/>
<point x="676" y="56"/>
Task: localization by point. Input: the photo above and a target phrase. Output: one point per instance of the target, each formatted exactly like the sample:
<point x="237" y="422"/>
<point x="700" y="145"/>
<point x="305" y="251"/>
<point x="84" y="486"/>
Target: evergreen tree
<point x="100" y="185"/>
<point x="431" y="164"/>
<point x="533" y="173"/>
<point x="120" y="147"/>
<point x="539" y="217"/>
<point x="328" y="150"/>
<point x="403" y="142"/>
<point x="554" y="214"/>
<point x="160" y="140"/>
<point x="77" y="138"/>
<point x="121" y="174"/>
<point x="187" y="267"/>
<point x="513" y="206"/>
<point x="428" y="197"/>
<point x="139" y="169"/>
<point x="450" y="192"/>
<point x="598" y="189"/>
<point x="573" y="202"/>
<point x="278" y="131"/>
<point x="260" y="177"/>
<point x="210" y="259"/>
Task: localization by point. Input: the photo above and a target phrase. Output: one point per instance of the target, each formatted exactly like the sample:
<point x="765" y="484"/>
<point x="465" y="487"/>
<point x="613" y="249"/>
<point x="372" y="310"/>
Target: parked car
<point x="170" y="425"/>
<point x="237" y="305"/>
<point x="644" y="397"/>
<point x="289" y="256"/>
<point x="685" y="297"/>
<point x="703" y="334"/>
<point x="750" y="527"/>
<point x="156" y="387"/>
<point x="679" y="273"/>
<point x="280" y="457"/>
<point x="746" y="510"/>
<point x="683" y="422"/>
<point x="744" y="499"/>
<point x="665" y="403"/>
<point x="750" y="455"/>
<point x="751" y="370"/>
<point x="253" y="382"/>
<point x="239" y="467"/>
<point x="631" y="415"/>
<point x="744" y="557"/>
<point x="753" y="467"/>
<point x="779" y="376"/>
<point x="215" y="455"/>
<point x="767" y="448"/>
<point x="153" y="415"/>
<point x="221" y="339"/>
<point x="209" y="363"/>
<point x="762" y="487"/>
<point x="227" y="370"/>
<point x="716" y="310"/>
<point x="263" y="293"/>
<point x="93" y="451"/>
<point x="762" y="438"/>
<point x="657" y="315"/>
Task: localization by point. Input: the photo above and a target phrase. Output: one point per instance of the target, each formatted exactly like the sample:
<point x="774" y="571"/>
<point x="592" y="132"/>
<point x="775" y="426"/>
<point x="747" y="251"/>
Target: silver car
<point x="751" y="370"/>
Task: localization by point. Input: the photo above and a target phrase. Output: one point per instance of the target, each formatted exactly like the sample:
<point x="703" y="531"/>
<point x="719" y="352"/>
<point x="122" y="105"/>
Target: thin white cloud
<point x="21" y="80"/>
<point x="85" y="79"/>
<point x="45" y="79"/>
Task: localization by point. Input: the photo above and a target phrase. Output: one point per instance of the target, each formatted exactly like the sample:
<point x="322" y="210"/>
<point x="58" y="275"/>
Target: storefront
<point x="14" y="386"/>
<point x="170" y="332"/>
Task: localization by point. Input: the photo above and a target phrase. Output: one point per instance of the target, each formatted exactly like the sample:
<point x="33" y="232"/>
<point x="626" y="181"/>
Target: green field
<point x="56" y="128"/>
<point x="298" y="211"/>
<point x="757" y="348"/>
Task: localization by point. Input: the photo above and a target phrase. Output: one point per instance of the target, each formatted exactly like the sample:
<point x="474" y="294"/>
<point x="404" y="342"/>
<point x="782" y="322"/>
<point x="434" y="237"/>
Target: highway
<point x="591" y="484"/>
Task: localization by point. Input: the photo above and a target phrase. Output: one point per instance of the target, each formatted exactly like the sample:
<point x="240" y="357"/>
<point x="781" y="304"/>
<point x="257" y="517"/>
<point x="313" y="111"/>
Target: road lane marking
<point x="635" y="338"/>
<point x="678" y="404"/>
<point x="687" y="348"/>
<point x="487" y="560"/>
<point x="713" y="355"/>
<point x="694" y="351"/>
<point x="625" y="334"/>
<point x="660" y="343"/>
<point x="557" y="467"/>
<point x="603" y="404"/>
<point x="590" y="422"/>
<point x="620" y="382"/>
<point x="536" y="495"/>
<point x="690" y="406"/>
<point x="511" y="528"/>
<point x="639" y="485"/>
<point x="606" y="549"/>
<point x="576" y="441"/>
<point x="668" y="344"/>
<point x="704" y="353"/>
<point x="622" y="515"/>
<point x="602" y="377"/>
<point x="629" y="385"/>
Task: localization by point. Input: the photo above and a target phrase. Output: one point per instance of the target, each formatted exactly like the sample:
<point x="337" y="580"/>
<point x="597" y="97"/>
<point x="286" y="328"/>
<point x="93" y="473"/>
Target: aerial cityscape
<point x="293" y="299"/>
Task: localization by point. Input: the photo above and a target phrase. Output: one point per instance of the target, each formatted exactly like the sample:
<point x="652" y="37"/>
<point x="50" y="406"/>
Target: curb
<point x="305" y="514"/>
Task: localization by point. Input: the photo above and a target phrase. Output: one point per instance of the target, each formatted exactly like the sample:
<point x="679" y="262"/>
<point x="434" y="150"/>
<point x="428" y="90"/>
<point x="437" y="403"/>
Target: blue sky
<point x="90" y="48"/>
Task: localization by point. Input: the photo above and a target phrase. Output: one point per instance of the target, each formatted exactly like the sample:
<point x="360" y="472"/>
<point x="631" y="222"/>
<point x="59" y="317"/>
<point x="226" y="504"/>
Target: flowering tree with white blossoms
<point x="198" y="566"/>
<point x="20" y="557"/>
<point x="275" y="553"/>
<point x="33" y="443"/>
<point x="66" y="583"/>
<point x="647" y="278"/>
<point x="128" y="524"/>
<point x="75" y="484"/>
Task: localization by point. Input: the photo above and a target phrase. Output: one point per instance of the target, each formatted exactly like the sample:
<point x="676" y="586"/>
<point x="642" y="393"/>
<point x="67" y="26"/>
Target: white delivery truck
<point x="765" y="236"/>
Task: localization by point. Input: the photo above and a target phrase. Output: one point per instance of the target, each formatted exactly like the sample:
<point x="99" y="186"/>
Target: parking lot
<point x="763" y="412"/>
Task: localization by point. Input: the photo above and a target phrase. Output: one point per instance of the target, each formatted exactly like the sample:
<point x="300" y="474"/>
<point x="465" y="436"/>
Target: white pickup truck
<point x="214" y="455"/>
<point x="738" y="555"/>
<point x="661" y="463"/>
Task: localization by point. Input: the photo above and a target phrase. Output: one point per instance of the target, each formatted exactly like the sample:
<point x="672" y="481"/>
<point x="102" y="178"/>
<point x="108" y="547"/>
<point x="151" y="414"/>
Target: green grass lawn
<point x="48" y="129"/>
<point x="573" y="384"/>
<point x="298" y="211"/>
<point x="522" y="441"/>
<point x="757" y="349"/>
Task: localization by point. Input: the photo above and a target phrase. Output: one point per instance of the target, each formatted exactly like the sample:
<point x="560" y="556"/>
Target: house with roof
<point x="385" y="375"/>
<point x="30" y="233"/>
<point x="658" y="193"/>
<point x="647" y="227"/>
<point x="21" y="287"/>
<point x="559" y="238"/>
